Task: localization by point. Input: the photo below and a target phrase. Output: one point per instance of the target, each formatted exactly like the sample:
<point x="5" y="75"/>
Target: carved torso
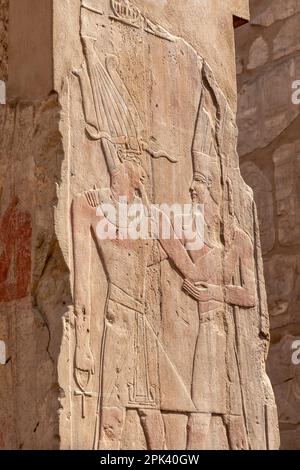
<point x="209" y="261"/>
<point x="124" y="261"/>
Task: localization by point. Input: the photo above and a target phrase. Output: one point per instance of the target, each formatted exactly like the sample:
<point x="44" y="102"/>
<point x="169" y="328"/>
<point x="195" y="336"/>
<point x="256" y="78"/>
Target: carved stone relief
<point x="126" y="12"/>
<point x="263" y="195"/>
<point x="137" y="382"/>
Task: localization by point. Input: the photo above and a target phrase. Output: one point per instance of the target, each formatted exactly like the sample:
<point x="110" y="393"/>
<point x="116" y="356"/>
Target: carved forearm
<point x="82" y="326"/>
<point x="180" y="257"/>
<point x="82" y="219"/>
<point x="87" y="97"/>
<point x="174" y="248"/>
<point x="81" y="240"/>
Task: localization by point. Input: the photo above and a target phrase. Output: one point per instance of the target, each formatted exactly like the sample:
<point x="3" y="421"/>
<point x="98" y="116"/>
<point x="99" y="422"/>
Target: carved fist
<point x="203" y="292"/>
<point x="198" y="292"/>
<point x="84" y="360"/>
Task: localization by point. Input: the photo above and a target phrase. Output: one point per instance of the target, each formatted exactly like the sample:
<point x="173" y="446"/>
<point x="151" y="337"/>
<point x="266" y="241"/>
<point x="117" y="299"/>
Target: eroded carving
<point x="15" y="252"/>
<point x="91" y="8"/>
<point x="126" y="12"/>
<point x="131" y="347"/>
<point x="110" y="112"/>
<point x="138" y="376"/>
<point x="263" y="194"/>
<point x="226" y="270"/>
<point x="287" y="169"/>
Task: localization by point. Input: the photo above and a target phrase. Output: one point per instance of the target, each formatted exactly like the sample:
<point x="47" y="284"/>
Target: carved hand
<point x="240" y="296"/>
<point x="203" y="292"/>
<point x="216" y="292"/>
<point x="199" y="292"/>
<point x="84" y="359"/>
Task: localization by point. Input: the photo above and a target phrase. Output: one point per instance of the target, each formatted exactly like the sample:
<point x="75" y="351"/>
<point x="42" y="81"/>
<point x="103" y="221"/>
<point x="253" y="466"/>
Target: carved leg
<point x="198" y="427"/>
<point x="153" y="427"/>
<point x="236" y="432"/>
<point x="112" y="424"/>
<point x="176" y="430"/>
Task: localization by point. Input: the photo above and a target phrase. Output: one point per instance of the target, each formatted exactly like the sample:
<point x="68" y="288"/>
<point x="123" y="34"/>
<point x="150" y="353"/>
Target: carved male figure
<point x="126" y="364"/>
<point x="127" y="376"/>
<point x="226" y="270"/>
<point x="217" y="351"/>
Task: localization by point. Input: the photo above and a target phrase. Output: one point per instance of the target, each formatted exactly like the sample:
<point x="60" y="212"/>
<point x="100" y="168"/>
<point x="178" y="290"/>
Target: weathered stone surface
<point x="147" y="342"/>
<point x="258" y="53"/>
<point x="285" y="377"/>
<point x="3" y="38"/>
<point x="32" y="274"/>
<point x="287" y="40"/>
<point x="287" y="173"/>
<point x="262" y="188"/>
<point x="266" y="13"/>
<point x="265" y="104"/>
<point x="280" y="275"/>
<point x="269" y="149"/>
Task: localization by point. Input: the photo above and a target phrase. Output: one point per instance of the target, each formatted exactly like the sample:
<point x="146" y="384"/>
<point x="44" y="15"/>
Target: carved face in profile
<point x="205" y="189"/>
<point x="200" y="188"/>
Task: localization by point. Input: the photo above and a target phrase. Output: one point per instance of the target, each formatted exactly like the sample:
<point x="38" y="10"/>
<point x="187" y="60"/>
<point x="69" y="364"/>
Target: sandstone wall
<point x="268" y="62"/>
<point x="30" y="164"/>
<point x="32" y="274"/>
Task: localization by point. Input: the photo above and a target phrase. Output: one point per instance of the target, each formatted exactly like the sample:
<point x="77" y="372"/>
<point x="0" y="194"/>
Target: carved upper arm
<point x="81" y="209"/>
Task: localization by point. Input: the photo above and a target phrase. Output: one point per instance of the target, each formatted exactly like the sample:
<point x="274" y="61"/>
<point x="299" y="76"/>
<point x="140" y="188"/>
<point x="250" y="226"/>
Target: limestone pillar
<point x="150" y="342"/>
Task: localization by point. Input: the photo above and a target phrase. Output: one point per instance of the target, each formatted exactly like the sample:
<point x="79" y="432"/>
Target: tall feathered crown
<point x="117" y="124"/>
